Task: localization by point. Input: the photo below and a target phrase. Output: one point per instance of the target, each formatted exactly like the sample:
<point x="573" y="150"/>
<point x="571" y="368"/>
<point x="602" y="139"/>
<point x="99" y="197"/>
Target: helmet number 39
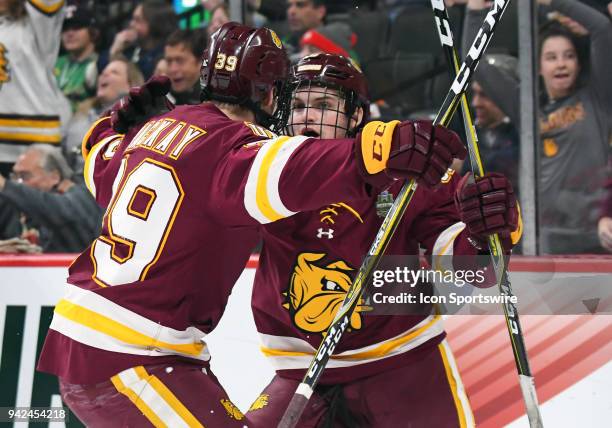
<point x="224" y="62"/>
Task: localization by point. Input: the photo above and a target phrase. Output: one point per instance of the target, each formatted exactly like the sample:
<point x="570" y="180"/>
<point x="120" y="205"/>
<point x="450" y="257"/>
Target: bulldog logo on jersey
<point x="316" y="291"/>
<point x="4" y="71"/>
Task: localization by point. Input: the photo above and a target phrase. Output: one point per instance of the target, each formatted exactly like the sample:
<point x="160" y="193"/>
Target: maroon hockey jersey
<point x="306" y="267"/>
<point x="185" y="195"/>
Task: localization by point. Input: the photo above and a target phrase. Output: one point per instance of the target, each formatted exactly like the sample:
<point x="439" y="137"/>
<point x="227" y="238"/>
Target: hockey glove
<point x="142" y="103"/>
<point x="405" y="150"/>
<point x="489" y="206"/>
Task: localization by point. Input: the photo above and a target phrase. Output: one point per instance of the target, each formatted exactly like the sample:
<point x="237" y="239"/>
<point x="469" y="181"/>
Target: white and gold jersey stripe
<point x="103" y="150"/>
<point x="90" y="319"/>
<point x="462" y="403"/>
<point x="287" y="353"/>
<point x="156" y="402"/>
<point x="48" y="7"/>
<point x="443" y="247"/>
<point x="29" y="129"/>
<point x="262" y="198"/>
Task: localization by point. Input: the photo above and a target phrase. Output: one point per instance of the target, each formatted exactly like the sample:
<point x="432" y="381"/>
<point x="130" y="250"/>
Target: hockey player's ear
<point x="356" y="118"/>
<point x="268" y="102"/>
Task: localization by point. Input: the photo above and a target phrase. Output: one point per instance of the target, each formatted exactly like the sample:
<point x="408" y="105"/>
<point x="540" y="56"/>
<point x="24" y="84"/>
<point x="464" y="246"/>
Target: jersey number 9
<point x="138" y="222"/>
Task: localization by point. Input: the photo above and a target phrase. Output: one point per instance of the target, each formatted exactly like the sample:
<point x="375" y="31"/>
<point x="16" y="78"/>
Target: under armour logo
<point x="329" y="233"/>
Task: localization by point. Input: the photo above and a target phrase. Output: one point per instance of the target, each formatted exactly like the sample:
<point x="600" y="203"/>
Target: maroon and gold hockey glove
<point x="489" y="206"/>
<point x="407" y="150"/>
<point x="142" y="103"/>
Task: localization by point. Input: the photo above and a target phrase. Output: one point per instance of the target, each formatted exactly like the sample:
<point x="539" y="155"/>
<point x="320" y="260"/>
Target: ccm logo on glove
<point x="406" y="150"/>
<point x="376" y="140"/>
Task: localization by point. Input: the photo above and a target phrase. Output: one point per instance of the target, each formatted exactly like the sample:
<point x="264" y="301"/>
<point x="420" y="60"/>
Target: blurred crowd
<point x="63" y="65"/>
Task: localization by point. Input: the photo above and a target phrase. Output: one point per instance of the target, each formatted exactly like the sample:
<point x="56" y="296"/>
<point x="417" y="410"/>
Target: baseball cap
<point x="78" y="17"/>
<point x="335" y="38"/>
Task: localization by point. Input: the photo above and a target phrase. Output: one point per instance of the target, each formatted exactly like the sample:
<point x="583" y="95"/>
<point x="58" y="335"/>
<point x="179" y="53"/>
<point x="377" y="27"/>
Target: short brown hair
<point x="192" y="40"/>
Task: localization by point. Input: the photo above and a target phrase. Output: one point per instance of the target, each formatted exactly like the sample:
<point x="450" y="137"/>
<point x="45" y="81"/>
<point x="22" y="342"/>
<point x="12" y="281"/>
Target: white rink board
<point x="587" y="404"/>
<point x="234" y="346"/>
<point x="236" y="360"/>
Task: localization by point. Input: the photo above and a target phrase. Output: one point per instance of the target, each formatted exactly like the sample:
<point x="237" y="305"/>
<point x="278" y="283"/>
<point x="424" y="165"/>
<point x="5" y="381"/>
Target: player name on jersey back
<point x="165" y="136"/>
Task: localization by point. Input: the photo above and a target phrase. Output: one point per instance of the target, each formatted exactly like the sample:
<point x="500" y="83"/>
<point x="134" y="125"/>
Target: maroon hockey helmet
<point x="241" y="65"/>
<point x="338" y="72"/>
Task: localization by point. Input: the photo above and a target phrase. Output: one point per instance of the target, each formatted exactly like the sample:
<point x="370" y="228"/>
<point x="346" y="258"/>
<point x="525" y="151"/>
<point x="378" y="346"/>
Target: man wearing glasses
<point x="40" y="204"/>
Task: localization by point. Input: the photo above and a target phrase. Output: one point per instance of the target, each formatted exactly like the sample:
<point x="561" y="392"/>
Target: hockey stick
<point x="521" y="360"/>
<point x="341" y="320"/>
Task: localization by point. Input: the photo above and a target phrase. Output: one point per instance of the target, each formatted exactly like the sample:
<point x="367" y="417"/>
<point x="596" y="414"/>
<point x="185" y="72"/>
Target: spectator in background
<point x="271" y="10"/>
<point x="10" y="225"/>
<point x="302" y="15"/>
<point x="76" y="71"/>
<point x="209" y="5"/>
<point x="161" y="68"/>
<point x="573" y="26"/>
<point x="183" y="53"/>
<point x="114" y="82"/>
<point x="32" y="108"/>
<point x="218" y="16"/>
<point x="495" y="101"/>
<point x="18" y="245"/>
<point x="64" y="213"/>
<point x="276" y="10"/>
<point x="336" y="38"/>
<point x="575" y="125"/>
<point x="143" y="41"/>
<point x="575" y="129"/>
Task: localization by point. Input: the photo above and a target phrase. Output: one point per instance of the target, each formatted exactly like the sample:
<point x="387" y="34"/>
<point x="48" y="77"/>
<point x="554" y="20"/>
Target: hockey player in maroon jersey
<point x="185" y="194"/>
<point x="387" y="371"/>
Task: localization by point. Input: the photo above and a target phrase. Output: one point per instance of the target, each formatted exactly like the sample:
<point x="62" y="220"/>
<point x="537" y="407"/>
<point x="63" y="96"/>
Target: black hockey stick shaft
<point x="497" y="254"/>
<point x="341" y="320"/>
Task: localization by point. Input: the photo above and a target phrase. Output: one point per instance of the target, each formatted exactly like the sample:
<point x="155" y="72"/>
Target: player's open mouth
<point x="307" y="132"/>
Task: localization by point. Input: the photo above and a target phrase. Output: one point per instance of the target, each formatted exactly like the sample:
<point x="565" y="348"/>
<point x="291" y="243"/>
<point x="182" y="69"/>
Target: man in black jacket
<point x="63" y="213"/>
